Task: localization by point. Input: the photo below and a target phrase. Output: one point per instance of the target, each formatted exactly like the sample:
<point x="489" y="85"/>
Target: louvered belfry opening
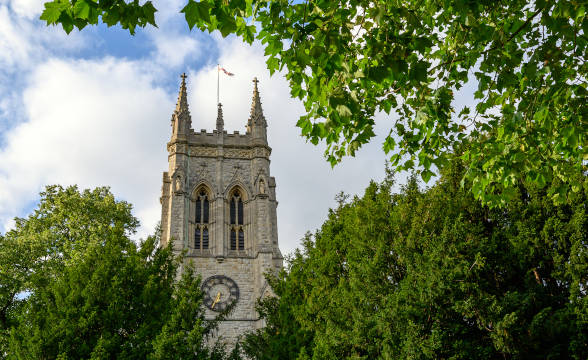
<point x="202" y="220"/>
<point x="237" y="237"/>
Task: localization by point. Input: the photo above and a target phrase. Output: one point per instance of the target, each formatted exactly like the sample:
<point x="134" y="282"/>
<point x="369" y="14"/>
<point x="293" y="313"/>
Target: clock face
<point x="219" y="292"/>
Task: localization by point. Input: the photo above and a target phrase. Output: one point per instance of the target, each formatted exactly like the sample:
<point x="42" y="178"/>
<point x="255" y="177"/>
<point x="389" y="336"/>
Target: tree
<point x="184" y="333"/>
<point x="432" y="274"/>
<point x="74" y="285"/>
<point x="39" y="247"/>
<point x="350" y="60"/>
<point x="283" y="336"/>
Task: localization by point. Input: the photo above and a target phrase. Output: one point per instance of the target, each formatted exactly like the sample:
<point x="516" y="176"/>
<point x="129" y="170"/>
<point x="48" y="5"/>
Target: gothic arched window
<point x="236" y="221"/>
<point x="202" y="219"/>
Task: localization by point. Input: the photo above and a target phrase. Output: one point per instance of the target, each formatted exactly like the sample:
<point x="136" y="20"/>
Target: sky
<point x="93" y="108"/>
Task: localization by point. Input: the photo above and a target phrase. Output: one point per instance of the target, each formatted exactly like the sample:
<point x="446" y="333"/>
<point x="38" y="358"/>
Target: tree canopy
<point x="73" y="285"/>
<point x="432" y="274"/>
<point x="405" y="62"/>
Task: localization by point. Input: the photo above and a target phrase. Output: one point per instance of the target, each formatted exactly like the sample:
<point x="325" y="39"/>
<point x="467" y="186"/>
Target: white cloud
<point x="90" y="123"/>
<point x="172" y="46"/>
<point x="168" y="12"/>
<point x="26" y="40"/>
<point x="172" y="51"/>
<point x="14" y="47"/>
<point x="26" y="8"/>
<point x="9" y="223"/>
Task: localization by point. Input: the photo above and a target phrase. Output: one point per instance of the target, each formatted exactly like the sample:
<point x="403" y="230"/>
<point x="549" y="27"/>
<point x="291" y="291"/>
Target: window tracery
<point x="202" y="221"/>
<point x="237" y="234"/>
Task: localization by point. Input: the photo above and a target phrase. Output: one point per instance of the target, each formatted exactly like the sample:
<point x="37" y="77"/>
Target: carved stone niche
<point x="261" y="185"/>
<point x="179" y="181"/>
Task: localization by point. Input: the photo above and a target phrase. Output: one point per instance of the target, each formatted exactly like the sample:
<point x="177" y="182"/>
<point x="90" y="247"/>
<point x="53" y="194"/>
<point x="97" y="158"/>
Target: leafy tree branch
<point x="355" y="62"/>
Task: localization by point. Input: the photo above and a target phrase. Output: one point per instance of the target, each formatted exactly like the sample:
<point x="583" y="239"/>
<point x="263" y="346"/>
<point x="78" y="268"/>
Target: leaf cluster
<point x="80" y="13"/>
<point x="351" y="61"/>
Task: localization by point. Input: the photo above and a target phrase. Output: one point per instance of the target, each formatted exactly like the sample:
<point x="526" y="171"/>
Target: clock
<point x="219" y="292"/>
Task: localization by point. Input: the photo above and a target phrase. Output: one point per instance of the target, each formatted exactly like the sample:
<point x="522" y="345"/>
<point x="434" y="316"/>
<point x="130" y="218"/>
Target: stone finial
<point x="181" y="120"/>
<point x="256" y="116"/>
<point x="220" y="123"/>
<point x="182" y="104"/>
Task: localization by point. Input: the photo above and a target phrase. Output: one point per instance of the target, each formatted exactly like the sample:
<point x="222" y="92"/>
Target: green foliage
<point x="432" y="274"/>
<point x="74" y="285"/>
<point x="39" y="247"/>
<point x="350" y="60"/>
<point x="184" y="333"/>
<point x="283" y="336"/>
<point x="79" y="13"/>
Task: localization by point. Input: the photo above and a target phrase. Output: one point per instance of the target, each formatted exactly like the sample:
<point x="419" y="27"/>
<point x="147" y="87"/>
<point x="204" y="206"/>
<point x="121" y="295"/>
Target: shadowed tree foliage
<point x="184" y="330"/>
<point x="283" y="336"/>
<point x="432" y="274"/>
<point x="350" y="60"/>
<point x="75" y="286"/>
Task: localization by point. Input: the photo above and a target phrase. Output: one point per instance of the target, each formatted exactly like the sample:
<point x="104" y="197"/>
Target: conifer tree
<point x="433" y="274"/>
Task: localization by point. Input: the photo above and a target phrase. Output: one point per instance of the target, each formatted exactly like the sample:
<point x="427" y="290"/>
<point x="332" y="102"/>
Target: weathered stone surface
<point x="218" y="163"/>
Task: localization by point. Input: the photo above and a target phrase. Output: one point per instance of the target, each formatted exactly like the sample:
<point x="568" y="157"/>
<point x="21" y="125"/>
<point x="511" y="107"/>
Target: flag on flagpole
<point x="225" y="71"/>
<point x="219" y="68"/>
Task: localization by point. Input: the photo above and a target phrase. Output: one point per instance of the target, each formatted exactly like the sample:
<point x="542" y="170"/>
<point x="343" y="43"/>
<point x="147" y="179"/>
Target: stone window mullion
<point x="202" y="220"/>
<point x="236" y="219"/>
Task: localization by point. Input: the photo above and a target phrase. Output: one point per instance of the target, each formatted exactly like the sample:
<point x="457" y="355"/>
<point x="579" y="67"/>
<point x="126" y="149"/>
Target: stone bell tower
<point x="219" y="204"/>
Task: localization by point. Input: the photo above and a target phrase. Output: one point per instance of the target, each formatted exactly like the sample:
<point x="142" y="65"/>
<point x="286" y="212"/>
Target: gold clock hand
<point x="216" y="300"/>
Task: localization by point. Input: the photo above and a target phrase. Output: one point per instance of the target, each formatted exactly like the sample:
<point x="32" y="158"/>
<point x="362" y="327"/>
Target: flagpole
<point x="217" y="83"/>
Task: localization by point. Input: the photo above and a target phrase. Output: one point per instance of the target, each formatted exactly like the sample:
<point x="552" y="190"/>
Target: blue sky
<point x="93" y="108"/>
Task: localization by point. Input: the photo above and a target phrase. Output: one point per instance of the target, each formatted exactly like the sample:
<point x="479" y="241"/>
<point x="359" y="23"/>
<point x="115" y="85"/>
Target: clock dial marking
<point x="219" y="292"/>
<point x="216" y="300"/>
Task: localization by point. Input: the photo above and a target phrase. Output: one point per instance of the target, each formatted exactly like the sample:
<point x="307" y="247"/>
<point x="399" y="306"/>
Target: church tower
<point x="219" y="205"/>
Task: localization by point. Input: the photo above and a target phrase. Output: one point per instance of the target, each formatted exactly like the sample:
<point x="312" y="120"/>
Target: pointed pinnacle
<point x="256" y="115"/>
<point x="182" y="104"/>
<point x="220" y="123"/>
